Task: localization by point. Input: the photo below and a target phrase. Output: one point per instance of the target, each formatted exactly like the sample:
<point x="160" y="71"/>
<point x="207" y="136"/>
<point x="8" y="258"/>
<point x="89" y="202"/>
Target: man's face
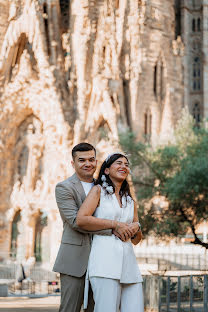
<point x="85" y="164"/>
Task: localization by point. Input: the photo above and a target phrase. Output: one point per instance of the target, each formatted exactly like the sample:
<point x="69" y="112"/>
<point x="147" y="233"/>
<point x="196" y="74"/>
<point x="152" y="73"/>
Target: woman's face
<point x="119" y="169"/>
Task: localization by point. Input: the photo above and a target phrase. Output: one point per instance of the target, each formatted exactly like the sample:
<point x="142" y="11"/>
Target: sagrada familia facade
<point x="74" y="70"/>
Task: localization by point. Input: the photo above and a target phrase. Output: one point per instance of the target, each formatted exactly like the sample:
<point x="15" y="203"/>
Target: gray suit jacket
<point x="73" y="254"/>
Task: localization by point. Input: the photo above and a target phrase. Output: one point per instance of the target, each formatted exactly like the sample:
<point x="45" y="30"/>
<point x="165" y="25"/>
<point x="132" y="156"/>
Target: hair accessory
<point x="103" y="178"/>
<point x="118" y="152"/>
<point x="109" y="189"/>
<point x="106" y="186"/>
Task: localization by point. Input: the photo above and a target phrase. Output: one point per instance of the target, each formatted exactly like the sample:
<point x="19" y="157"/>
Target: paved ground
<point x="24" y="304"/>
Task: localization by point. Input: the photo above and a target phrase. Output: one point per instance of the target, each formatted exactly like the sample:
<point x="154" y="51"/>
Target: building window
<point x="196" y="74"/>
<point x="22" y="163"/>
<point x="41" y="222"/>
<point x="14" y="234"/>
<point x="162" y="87"/>
<point x="193" y="25"/>
<point x="198" y="24"/>
<point x="159" y="81"/>
<point x="45" y="16"/>
<point x="155" y="80"/>
<point x="64" y="7"/>
<point x="127" y="107"/>
<point x="177" y="19"/>
<point x="147" y="124"/>
<point x="196" y="113"/>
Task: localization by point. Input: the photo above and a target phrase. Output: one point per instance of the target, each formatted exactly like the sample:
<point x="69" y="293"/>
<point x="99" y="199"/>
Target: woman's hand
<point x="137" y="237"/>
<point x="134" y="227"/>
<point x="123" y="231"/>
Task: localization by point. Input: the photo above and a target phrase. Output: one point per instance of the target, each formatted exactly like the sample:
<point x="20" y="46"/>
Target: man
<point x="72" y="258"/>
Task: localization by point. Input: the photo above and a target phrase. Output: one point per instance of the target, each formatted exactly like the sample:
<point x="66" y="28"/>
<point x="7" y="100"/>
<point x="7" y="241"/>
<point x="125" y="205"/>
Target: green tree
<point x="171" y="181"/>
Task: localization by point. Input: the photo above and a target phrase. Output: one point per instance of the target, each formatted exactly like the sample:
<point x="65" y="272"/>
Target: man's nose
<point x="87" y="163"/>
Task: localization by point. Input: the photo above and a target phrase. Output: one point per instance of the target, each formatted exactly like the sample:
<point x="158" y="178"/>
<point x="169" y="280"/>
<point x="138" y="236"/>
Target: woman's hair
<point x="125" y="190"/>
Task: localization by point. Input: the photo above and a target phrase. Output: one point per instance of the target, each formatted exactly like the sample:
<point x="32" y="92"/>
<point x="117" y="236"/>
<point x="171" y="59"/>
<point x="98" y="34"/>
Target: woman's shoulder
<point x="96" y="189"/>
<point x="101" y="191"/>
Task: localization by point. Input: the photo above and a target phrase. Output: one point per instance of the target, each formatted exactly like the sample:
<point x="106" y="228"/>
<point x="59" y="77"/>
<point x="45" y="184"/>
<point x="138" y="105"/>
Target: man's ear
<point x="72" y="163"/>
<point x="106" y="171"/>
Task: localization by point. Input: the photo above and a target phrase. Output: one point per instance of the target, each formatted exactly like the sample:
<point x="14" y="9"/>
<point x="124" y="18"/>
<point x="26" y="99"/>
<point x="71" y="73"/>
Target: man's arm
<point x="68" y="210"/>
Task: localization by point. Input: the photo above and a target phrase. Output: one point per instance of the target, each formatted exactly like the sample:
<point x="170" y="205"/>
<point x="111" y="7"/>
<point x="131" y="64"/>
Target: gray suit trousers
<point x="72" y="292"/>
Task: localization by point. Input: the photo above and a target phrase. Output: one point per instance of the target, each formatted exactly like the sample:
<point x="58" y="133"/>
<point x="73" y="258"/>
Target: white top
<point x="87" y="186"/>
<point x="109" y="256"/>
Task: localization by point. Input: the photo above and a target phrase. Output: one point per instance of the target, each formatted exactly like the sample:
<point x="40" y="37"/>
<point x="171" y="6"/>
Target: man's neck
<point x="85" y="179"/>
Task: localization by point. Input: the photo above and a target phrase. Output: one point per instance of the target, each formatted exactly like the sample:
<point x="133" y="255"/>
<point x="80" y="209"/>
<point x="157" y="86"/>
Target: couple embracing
<point x="96" y="260"/>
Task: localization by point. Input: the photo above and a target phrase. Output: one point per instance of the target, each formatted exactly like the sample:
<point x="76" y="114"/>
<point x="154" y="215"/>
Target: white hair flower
<point x="109" y="189"/>
<point x="104" y="184"/>
<point x="103" y="178"/>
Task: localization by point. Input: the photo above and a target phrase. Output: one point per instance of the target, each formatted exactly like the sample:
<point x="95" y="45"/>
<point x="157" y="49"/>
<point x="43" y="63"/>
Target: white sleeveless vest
<point x="109" y="256"/>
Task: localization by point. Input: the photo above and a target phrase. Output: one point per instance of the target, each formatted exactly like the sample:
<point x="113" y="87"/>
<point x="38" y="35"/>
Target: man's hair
<point x="82" y="147"/>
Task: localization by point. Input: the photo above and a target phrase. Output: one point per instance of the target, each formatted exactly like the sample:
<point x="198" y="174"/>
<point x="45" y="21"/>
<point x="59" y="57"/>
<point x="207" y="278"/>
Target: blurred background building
<point x="85" y="70"/>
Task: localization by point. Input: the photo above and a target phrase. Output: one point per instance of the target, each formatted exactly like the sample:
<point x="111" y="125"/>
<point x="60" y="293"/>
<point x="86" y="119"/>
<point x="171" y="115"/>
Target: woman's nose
<point x="124" y="166"/>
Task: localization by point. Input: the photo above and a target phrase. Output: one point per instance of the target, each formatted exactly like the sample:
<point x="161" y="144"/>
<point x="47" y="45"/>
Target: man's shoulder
<point x="68" y="182"/>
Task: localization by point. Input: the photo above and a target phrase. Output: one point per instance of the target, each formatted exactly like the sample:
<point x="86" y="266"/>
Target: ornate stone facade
<point x="72" y="71"/>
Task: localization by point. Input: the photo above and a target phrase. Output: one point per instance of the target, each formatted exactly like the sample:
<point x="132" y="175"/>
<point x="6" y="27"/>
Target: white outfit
<point x="87" y="186"/>
<point x="112" y="266"/>
<point x="109" y="294"/>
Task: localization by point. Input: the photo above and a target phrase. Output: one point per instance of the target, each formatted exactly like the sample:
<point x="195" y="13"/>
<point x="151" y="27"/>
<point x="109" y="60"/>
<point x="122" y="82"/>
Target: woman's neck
<point x="117" y="186"/>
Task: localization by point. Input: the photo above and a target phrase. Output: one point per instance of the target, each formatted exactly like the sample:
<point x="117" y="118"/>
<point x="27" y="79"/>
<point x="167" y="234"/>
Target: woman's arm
<point x="68" y="209"/>
<point x="138" y="233"/>
<point x="87" y="221"/>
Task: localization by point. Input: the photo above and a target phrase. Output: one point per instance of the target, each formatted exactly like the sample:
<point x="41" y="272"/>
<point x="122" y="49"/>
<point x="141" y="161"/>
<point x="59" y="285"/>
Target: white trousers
<point x="110" y="295"/>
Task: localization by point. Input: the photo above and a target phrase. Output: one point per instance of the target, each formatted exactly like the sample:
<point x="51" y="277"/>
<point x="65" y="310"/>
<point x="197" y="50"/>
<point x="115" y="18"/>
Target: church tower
<point x="194" y="29"/>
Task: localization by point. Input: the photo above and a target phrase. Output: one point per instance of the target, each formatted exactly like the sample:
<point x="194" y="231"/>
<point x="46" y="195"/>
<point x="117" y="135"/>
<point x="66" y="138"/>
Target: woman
<point x="112" y="269"/>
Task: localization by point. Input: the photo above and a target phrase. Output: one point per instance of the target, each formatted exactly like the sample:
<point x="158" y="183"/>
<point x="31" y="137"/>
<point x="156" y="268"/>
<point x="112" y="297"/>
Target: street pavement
<point x="25" y="304"/>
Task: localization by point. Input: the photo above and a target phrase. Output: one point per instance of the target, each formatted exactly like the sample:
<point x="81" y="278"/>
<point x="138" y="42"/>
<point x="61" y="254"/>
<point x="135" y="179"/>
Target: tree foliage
<point x="171" y="180"/>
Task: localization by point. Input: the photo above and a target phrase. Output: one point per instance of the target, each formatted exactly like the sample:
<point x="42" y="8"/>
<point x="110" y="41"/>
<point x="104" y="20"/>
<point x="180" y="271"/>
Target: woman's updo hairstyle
<point x="125" y="190"/>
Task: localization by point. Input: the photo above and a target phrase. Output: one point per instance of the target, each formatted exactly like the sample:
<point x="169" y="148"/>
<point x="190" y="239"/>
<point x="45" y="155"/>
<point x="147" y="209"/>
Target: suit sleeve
<point x="68" y="210"/>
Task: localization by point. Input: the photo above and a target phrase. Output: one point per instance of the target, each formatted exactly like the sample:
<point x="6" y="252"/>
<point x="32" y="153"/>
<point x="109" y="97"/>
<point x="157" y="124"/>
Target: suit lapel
<point x="79" y="187"/>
